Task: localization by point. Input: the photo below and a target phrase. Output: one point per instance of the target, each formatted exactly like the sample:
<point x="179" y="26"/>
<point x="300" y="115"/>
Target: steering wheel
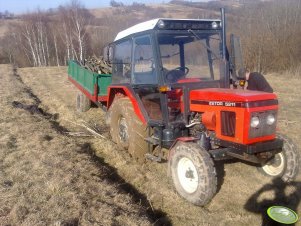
<point x="186" y="71"/>
<point x="175" y="74"/>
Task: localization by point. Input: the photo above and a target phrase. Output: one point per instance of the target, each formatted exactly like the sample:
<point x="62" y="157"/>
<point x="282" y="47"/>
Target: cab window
<point x="144" y="66"/>
<point x="122" y="62"/>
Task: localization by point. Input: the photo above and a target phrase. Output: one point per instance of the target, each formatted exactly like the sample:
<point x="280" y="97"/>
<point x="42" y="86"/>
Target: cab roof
<point x="152" y="24"/>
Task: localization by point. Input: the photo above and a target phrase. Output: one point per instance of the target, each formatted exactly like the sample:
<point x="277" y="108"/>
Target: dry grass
<point x="293" y="72"/>
<point x="47" y="178"/>
<point x="287" y="88"/>
<point x="239" y="201"/>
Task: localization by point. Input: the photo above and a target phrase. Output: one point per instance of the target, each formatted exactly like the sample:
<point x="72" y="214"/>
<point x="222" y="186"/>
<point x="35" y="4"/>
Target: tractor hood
<point x="220" y="97"/>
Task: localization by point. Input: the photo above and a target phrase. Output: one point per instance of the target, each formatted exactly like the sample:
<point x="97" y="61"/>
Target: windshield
<point x="190" y="56"/>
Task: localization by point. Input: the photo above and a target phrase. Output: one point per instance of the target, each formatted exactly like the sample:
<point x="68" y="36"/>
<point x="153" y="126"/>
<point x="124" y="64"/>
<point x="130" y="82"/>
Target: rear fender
<point x="121" y="91"/>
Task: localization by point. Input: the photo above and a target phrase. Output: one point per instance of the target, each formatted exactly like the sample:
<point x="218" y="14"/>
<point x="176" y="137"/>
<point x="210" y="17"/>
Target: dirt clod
<point x="7" y="183"/>
<point x="31" y="108"/>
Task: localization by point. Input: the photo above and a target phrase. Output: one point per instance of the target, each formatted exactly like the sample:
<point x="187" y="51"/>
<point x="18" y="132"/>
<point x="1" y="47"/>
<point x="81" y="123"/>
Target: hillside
<point x="275" y="48"/>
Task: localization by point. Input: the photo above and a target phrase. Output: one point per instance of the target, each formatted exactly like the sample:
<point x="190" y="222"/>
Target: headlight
<point x="271" y="119"/>
<point x="254" y="121"/>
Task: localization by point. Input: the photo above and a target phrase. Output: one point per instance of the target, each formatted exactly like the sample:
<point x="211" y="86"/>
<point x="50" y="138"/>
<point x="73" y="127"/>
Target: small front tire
<point x="193" y="173"/>
<point x="284" y="164"/>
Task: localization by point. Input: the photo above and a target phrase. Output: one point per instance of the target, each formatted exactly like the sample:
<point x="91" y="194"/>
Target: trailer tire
<point x="193" y="173"/>
<point x="285" y="164"/>
<point x="120" y="113"/>
<point x="83" y="103"/>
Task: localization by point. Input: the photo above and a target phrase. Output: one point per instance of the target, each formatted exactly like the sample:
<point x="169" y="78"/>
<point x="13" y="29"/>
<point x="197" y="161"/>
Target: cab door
<point x="144" y="77"/>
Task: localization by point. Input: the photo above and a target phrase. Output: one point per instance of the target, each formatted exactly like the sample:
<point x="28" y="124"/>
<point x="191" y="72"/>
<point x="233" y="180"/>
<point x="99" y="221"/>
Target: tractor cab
<point x="163" y="59"/>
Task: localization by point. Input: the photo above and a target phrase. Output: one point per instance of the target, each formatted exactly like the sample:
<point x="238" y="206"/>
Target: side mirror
<point x="108" y="53"/>
<point x="236" y="58"/>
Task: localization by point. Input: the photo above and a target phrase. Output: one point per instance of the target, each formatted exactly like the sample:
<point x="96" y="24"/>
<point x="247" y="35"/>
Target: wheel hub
<point x="123" y="130"/>
<point x="275" y="166"/>
<point x="187" y="175"/>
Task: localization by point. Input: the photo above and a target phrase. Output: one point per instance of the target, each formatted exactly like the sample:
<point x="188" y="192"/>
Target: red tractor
<point x="173" y="98"/>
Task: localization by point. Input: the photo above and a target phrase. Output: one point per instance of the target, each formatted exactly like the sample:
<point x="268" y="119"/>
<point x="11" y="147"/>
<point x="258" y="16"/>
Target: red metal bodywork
<point x="113" y="90"/>
<point x="235" y="99"/>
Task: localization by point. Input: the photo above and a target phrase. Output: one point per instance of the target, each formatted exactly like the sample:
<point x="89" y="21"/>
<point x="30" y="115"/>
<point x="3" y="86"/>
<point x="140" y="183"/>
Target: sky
<point x="23" y="6"/>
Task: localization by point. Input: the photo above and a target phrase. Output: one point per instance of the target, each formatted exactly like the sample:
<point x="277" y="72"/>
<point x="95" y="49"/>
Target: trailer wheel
<point x="83" y="103"/>
<point x="121" y="112"/>
<point x="284" y="164"/>
<point x="193" y="173"/>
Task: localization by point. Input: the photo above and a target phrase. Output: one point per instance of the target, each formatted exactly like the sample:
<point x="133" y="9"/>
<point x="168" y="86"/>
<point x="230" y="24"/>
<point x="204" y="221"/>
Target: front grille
<point x="228" y="119"/>
<point x="263" y="128"/>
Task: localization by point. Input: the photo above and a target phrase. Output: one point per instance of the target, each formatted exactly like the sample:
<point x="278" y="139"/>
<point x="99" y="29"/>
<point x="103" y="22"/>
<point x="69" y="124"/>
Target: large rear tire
<point x="83" y="103"/>
<point x="120" y="117"/>
<point x="126" y="129"/>
<point x="138" y="146"/>
<point x="193" y="173"/>
<point x="285" y="164"/>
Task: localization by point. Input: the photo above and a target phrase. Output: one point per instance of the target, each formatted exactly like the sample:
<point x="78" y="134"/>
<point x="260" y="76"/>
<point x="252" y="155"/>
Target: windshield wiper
<point x="207" y="47"/>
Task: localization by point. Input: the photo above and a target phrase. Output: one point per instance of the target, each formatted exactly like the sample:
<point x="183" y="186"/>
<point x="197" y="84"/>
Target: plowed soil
<point x="54" y="172"/>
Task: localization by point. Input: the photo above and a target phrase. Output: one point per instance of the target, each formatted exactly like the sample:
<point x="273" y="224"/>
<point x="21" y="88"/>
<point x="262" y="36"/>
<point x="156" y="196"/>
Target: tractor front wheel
<point x="284" y="164"/>
<point x="193" y="173"/>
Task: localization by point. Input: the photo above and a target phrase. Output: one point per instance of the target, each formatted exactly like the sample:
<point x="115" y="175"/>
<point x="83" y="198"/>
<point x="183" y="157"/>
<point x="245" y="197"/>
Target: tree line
<point x="270" y="32"/>
<point x="6" y="15"/>
<point x="47" y="38"/>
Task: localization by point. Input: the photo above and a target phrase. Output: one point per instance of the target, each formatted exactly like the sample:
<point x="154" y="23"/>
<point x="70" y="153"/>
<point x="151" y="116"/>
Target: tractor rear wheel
<point x="193" y="173"/>
<point x="284" y="164"/>
<point x="138" y="146"/>
<point x="83" y="103"/>
<point x="126" y="129"/>
<point x="121" y="112"/>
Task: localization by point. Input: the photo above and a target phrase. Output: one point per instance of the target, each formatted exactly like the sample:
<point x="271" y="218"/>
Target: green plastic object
<point x="282" y="214"/>
<point x="88" y="79"/>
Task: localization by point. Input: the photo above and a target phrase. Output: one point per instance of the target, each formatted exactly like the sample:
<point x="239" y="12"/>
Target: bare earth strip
<point x="47" y="178"/>
<point x="241" y="200"/>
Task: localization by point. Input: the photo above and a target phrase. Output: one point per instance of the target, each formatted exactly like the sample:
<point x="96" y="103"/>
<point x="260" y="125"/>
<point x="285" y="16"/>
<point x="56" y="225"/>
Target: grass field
<point x="51" y="178"/>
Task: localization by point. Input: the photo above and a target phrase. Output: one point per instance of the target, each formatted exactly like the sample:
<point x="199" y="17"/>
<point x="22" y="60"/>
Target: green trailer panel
<point x="103" y="81"/>
<point x="88" y="79"/>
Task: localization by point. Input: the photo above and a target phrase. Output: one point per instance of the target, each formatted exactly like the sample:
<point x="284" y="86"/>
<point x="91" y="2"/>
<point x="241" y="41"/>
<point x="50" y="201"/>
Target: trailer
<point x="93" y="87"/>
